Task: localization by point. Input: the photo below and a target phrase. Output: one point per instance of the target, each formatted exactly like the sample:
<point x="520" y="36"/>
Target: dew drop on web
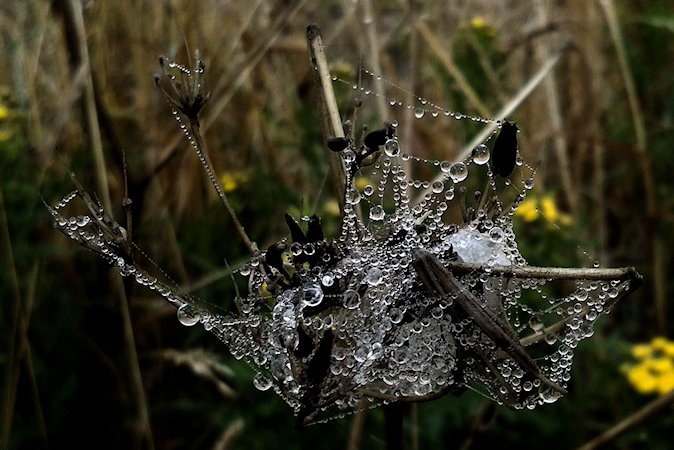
<point x="481" y="154"/>
<point x="392" y="148"/>
<point x="188" y="315"/>
<point x="377" y="212"/>
<point x="262" y="382"/>
<point x="458" y="172"/>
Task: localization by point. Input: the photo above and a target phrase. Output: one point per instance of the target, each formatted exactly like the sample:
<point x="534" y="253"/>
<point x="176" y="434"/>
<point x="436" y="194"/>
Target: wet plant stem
<point x="200" y="147"/>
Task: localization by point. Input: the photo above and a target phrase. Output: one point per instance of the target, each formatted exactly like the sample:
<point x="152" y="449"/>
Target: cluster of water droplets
<point x="349" y="321"/>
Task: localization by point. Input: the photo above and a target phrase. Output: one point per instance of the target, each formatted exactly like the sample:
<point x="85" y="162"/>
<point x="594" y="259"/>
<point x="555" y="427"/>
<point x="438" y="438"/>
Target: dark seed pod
<point x="337" y="144"/>
<point x="273" y="257"/>
<point x="316" y="373"/>
<point x="320" y="362"/>
<point x="315" y="230"/>
<point x="374" y="139"/>
<point x="296" y="232"/>
<point x="504" y="154"/>
<point x="378" y="137"/>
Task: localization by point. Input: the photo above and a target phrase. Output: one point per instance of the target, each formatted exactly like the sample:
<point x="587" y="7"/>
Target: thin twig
<point x="631" y="421"/>
<point x="76" y="16"/>
<point x="208" y="166"/>
<point x="142" y="408"/>
<point x="356" y="432"/>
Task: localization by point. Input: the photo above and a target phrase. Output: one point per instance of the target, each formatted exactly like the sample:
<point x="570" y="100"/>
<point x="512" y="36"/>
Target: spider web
<point x="423" y="293"/>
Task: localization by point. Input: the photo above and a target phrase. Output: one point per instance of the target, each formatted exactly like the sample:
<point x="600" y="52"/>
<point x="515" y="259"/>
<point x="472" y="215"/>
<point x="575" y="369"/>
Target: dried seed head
<point x="183" y="87"/>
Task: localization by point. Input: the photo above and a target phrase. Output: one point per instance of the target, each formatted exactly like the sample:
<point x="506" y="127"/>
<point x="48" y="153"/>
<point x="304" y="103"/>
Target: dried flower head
<point x="183" y="87"/>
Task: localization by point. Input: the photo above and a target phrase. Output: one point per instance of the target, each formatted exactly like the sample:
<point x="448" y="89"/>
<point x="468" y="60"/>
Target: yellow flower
<point x="549" y="208"/>
<point x="654" y="373"/>
<point x="4" y="112"/>
<point x="642" y="379"/>
<point x="665" y="383"/>
<point x="361" y="182"/>
<point x="480" y="25"/>
<point x="660" y="365"/>
<point x="641" y="351"/>
<point x="331" y="208"/>
<point x="527" y="210"/>
<point x="230" y="180"/>
<point x="531" y="209"/>
<point x="663" y="345"/>
<point x="478" y="22"/>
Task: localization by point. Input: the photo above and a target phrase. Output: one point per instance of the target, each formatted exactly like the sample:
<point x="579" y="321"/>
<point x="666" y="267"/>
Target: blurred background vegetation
<point x="87" y="360"/>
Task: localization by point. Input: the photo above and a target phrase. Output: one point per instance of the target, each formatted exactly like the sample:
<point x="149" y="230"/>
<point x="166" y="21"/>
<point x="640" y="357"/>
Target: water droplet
<point x="377" y="212"/>
<point x="419" y="112"/>
<point x="535" y="323"/>
<point x="327" y="280"/>
<point x="261" y="382"/>
<point x="349" y="156"/>
<point x="549" y="395"/>
<point x="391" y="147"/>
<point x="352" y="196"/>
<point x="296" y="249"/>
<point x="449" y="194"/>
<point x="188" y="315"/>
<point x="313" y="295"/>
<point x="437" y="186"/>
<point x="351" y="299"/>
<point x="529" y="183"/>
<point x="374" y="276"/>
<point x="445" y="166"/>
<point x="481" y="154"/>
<point x="496" y="234"/>
<point x="458" y="172"/>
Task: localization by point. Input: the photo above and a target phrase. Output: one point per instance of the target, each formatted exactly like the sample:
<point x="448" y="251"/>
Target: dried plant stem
<point x="332" y="122"/>
<point x="660" y="283"/>
<point x="373" y="48"/>
<point x="554" y="110"/>
<point x="228" y="437"/>
<point x="17" y="338"/>
<point x="408" y="120"/>
<point x="506" y="110"/>
<point x="142" y="409"/>
<point x="651" y="409"/>
<point x="200" y="147"/>
<point x="557" y="273"/>
<point x="356" y="432"/>
<point x="448" y="63"/>
<point x="75" y="19"/>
